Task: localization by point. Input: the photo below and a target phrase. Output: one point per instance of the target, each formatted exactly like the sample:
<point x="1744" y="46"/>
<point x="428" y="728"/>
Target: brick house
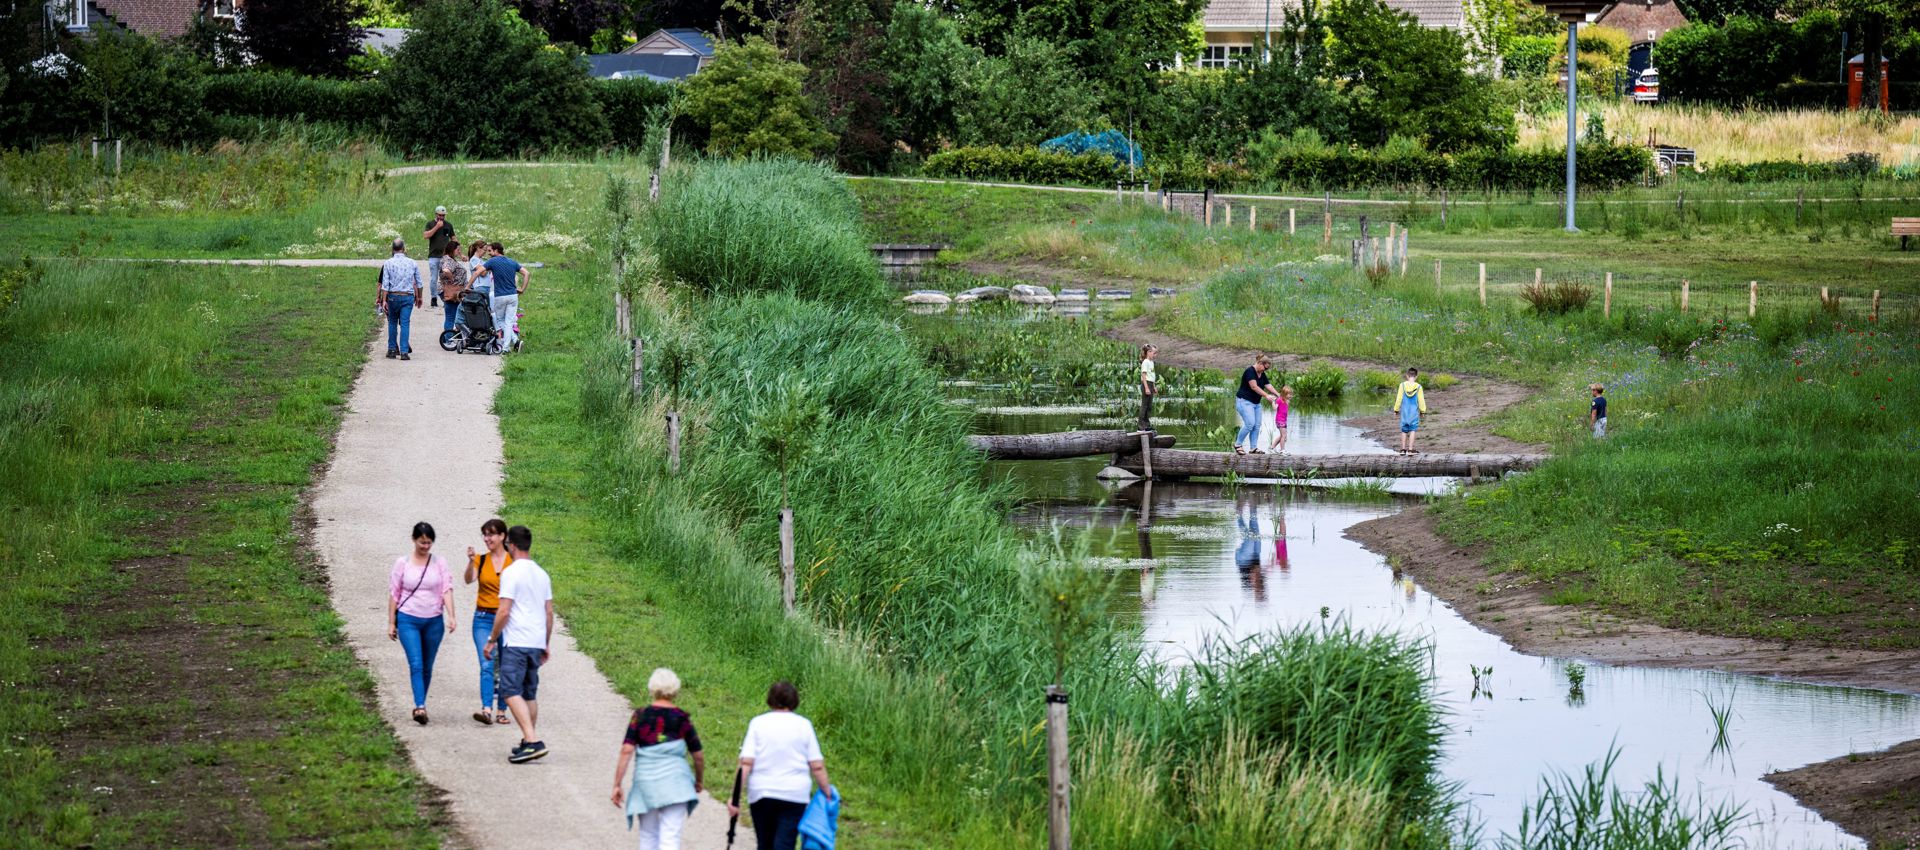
<point x="1644" y="21"/>
<point x="1236" y="28"/>
<point x="162" y="19"/>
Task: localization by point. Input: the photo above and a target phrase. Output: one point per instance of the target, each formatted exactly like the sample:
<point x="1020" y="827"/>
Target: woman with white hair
<point x="664" y="790"/>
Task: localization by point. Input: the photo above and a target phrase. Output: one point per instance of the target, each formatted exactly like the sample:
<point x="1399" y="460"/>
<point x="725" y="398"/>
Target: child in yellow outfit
<point x="1410" y="400"/>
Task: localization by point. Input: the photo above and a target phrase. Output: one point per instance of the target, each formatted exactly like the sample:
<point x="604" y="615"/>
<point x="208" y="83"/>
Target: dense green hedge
<point x="281" y="94"/>
<point x="1858" y="166"/>
<point x="1022" y="165"/>
<point x="627" y="103"/>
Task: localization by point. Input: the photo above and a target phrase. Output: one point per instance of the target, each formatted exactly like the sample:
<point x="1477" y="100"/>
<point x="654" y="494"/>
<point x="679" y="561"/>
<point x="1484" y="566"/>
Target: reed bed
<point x="906" y="564"/>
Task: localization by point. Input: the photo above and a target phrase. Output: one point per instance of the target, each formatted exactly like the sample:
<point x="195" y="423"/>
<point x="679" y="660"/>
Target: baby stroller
<point x="473" y="331"/>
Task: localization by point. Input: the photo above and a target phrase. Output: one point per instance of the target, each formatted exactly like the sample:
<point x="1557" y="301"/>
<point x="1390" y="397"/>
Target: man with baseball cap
<point x="439" y="231"/>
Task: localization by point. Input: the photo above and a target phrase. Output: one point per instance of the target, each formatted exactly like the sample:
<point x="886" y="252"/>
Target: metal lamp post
<point x="1572" y="12"/>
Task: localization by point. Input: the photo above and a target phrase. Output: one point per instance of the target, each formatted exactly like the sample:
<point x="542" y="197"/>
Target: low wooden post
<point x="1876" y="305"/>
<point x="1146" y="453"/>
<point x="1393" y="232"/>
<point x="1436" y="274"/>
<point x="1206" y="209"/>
<point x="1606" y="299"/>
<point x="673" y="442"/>
<point x="640" y="352"/>
<point x="1483" y="284"/>
<point x="1253" y="219"/>
<point x="1059" y="775"/>
<point x="653" y="187"/>
<point x="1289" y="221"/>
<point x="1326" y="237"/>
<point x="1373" y="253"/>
<point x="621" y="318"/>
<point x="1354" y="250"/>
<point x="786" y="559"/>
<point x="1753" y="298"/>
<point x="1536" y="277"/>
<point x="1227" y="206"/>
<point x="1473" y="474"/>
<point x="1163" y="199"/>
<point x="1823" y="297"/>
<point x="1443" y="209"/>
<point x="1685" y="286"/>
<point x="1403" y="251"/>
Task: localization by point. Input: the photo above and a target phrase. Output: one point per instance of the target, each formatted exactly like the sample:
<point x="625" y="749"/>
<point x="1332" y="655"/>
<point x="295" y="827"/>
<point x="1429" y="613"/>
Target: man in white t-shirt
<point x="522" y="635"/>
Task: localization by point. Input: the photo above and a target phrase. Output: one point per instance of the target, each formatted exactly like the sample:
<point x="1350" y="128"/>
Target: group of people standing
<point x="451" y="273"/>
<point x="661" y="769"/>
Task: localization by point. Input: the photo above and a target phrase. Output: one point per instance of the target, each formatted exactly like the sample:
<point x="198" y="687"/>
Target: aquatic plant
<point x="1379" y="380"/>
<point x="1587" y="812"/>
<point x="1722" y="713"/>
<point x="1482" y="681"/>
<point x="1320" y="380"/>
<point x="1364" y="489"/>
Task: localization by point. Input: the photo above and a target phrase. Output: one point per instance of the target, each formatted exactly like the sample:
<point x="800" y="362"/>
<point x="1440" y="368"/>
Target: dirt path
<point x="1457" y="424"/>
<point x="420" y="442"/>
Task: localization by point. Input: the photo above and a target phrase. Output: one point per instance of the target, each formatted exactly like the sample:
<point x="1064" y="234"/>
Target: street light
<point x="1572" y="12"/>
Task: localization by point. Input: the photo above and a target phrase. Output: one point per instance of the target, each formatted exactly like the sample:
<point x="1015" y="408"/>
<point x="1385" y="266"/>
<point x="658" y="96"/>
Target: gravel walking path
<point x="420" y="442"/>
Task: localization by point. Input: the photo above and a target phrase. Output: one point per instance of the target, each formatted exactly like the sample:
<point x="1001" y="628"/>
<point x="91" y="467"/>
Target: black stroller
<point x="473" y="331"/>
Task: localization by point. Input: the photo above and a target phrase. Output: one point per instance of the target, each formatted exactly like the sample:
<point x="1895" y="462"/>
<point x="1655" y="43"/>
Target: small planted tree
<point x="783" y="426"/>
<point x="1071" y="605"/>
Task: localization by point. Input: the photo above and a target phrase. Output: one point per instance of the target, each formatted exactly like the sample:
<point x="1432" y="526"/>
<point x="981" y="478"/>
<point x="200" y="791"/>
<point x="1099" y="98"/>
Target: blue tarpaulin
<point x="1110" y="142"/>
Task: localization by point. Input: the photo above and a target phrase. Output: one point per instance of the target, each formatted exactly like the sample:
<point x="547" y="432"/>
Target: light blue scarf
<point x="661" y="778"/>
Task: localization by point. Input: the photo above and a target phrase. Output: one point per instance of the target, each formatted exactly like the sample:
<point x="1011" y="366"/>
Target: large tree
<point x="750" y="101"/>
<point x="925" y="60"/>
<point x="1401" y="78"/>
<point x="573" y="21"/>
<point x="310" y="36"/>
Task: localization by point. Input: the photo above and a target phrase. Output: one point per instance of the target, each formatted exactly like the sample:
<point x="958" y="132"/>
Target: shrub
<point x="282" y="94"/>
<point x="1031" y="94"/>
<point x="463" y="52"/>
<point x="1379" y="380"/>
<point x="1556" y="298"/>
<point x="749" y="100"/>
<point x="1321" y="380"/>
<point x="1024" y="165"/>
<point x="628" y="104"/>
<point x="149" y="91"/>
<point x="1532" y="55"/>
<point x="1441" y="380"/>
<point x="738" y="228"/>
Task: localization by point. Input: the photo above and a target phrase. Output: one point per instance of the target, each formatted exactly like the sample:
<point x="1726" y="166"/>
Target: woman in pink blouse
<point x="420" y="611"/>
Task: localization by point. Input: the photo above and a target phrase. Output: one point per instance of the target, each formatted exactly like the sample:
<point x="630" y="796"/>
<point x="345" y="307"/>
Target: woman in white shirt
<point x="778" y="757"/>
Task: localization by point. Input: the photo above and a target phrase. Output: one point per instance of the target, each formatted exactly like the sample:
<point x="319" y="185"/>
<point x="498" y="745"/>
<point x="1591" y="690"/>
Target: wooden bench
<point x="1905" y="227"/>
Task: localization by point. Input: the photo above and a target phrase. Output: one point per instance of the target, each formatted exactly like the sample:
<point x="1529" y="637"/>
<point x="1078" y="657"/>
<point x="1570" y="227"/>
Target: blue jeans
<point x="399" y="322"/>
<point x="1249" y="422"/>
<point x="482" y="627"/>
<point x="421" y="640"/>
<point x="453" y="312"/>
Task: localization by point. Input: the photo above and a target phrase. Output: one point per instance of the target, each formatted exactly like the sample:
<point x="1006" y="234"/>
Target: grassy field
<point x="176" y="675"/>
<point x="1743" y="135"/>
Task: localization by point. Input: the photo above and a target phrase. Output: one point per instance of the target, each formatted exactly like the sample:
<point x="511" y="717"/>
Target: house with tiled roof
<point x="675" y="42"/>
<point x="1236" y="28"/>
<point x="161" y="19"/>
<point x="1644" y="21"/>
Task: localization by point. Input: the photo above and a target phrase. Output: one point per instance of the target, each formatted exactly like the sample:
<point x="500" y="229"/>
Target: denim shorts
<point x="519" y="672"/>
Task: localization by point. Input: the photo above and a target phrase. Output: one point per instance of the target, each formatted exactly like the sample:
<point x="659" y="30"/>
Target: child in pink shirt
<point x="1280" y="405"/>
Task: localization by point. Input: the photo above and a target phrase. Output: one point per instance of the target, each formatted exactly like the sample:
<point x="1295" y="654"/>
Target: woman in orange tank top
<point x="485" y="568"/>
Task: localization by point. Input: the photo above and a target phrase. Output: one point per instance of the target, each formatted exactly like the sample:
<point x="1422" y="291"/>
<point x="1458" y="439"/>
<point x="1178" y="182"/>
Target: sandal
<point x="420" y="716"/>
<point x="503" y="718"/>
<point x="484" y="716"/>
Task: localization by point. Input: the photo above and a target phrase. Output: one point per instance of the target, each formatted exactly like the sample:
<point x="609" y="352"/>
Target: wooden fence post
<point x="1326" y="237"/>
<point x="1354" y="250"/>
<point x="786" y="559"/>
<point x="1206" y="208"/>
<point x="1606" y="300"/>
<point x="1483" y="284"/>
<point x="1059" y="775"/>
<point x="673" y="442"/>
<point x="1536" y="277"/>
<point x="1253" y="219"/>
<point x="1436" y="274"/>
<point x="638" y="350"/>
<point x="1876" y="305"/>
<point x="1823" y="297"/>
<point x="1289" y="221"/>
<point x="1685" y="286"/>
<point x="1403" y="251"/>
<point x="1443" y="209"/>
<point x="1753" y="298"/>
<point x="1163" y="199"/>
<point x="1228" y="207"/>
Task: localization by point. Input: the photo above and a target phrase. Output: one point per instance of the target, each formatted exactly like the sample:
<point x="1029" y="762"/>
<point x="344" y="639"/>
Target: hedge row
<point x="1856" y="166"/>
<point x="1022" y="165"/>
<point x="364" y="104"/>
<point x="1330" y="167"/>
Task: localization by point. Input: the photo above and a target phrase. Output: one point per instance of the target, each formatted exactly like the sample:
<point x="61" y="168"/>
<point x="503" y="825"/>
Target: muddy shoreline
<point x="1875" y="796"/>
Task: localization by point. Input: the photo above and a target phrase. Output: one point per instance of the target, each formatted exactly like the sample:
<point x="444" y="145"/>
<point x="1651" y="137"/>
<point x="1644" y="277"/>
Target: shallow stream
<point x="1220" y="561"/>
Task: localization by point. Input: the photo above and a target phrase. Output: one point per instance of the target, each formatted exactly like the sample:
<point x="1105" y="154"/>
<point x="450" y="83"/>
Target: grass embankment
<point x="924" y="639"/>
<point x="1758" y="480"/>
<point x="284" y="198"/>
<point x="176" y="675"/>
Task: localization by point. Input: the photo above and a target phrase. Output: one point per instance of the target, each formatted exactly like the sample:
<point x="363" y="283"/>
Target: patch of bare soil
<point x="1873" y="795"/>
<point x="1457" y="423"/>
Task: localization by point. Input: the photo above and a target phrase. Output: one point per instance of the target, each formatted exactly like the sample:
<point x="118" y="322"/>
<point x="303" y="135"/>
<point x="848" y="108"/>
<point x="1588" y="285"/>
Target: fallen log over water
<point x="1064" y="445"/>
<point x="1191" y="463"/>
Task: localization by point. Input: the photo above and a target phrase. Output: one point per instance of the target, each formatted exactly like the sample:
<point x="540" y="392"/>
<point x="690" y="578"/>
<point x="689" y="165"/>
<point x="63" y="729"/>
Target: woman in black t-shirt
<point x="660" y="737"/>
<point x="1254" y="388"/>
